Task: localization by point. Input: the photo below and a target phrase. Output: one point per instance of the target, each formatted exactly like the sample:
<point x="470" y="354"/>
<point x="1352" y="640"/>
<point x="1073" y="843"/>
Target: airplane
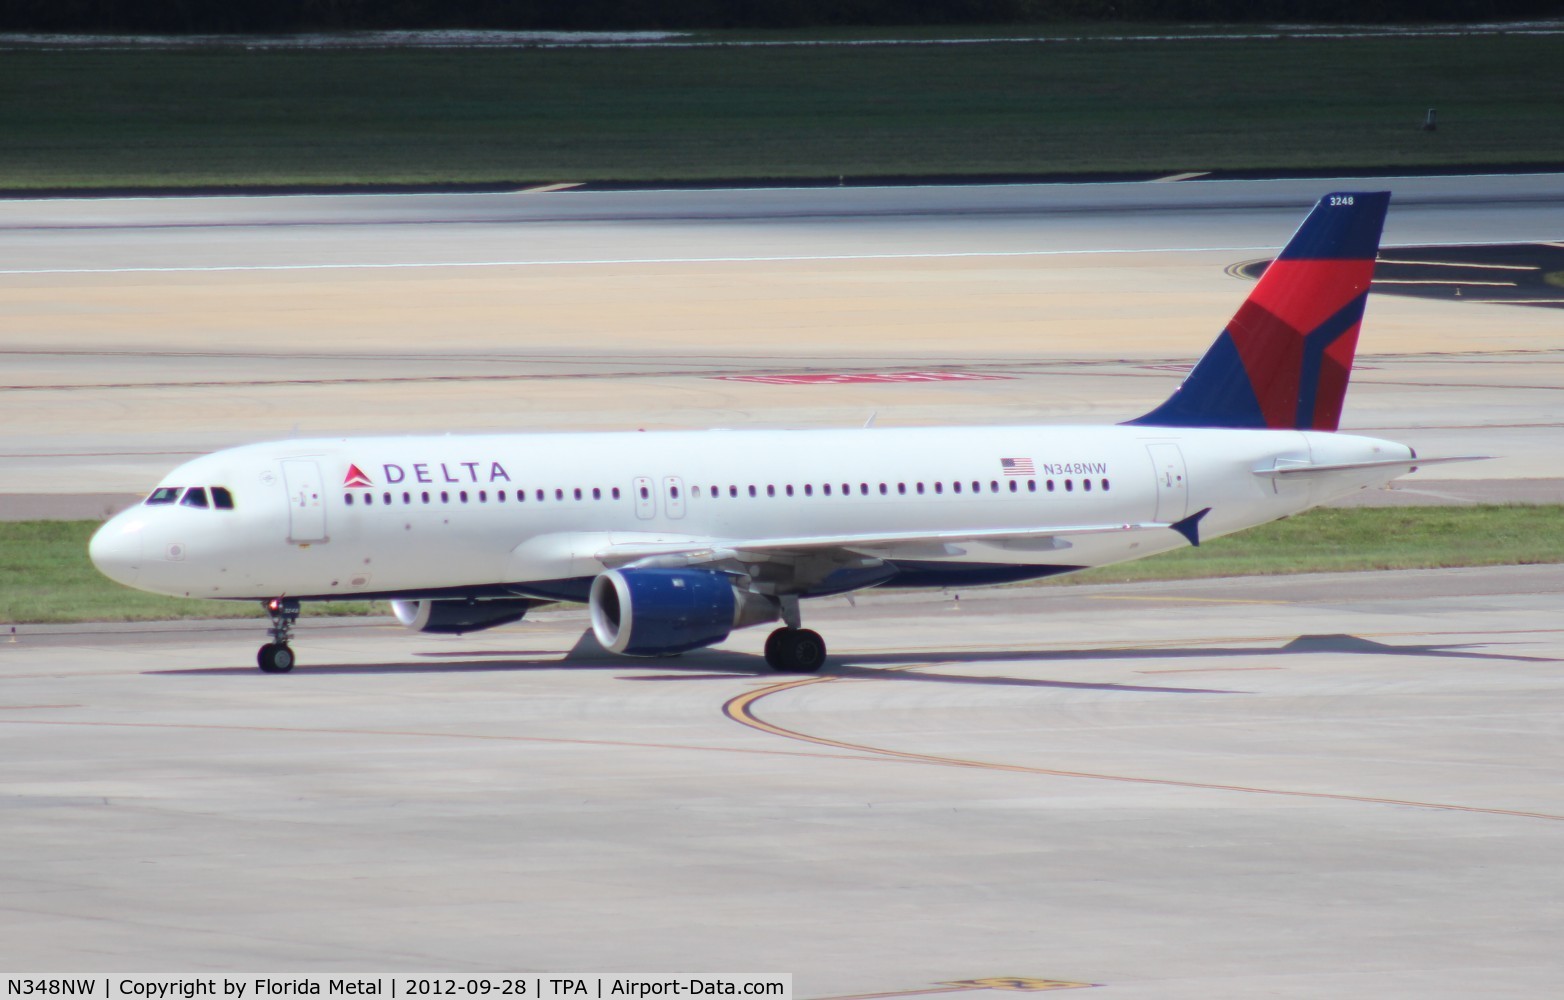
<point x="674" y="540"/>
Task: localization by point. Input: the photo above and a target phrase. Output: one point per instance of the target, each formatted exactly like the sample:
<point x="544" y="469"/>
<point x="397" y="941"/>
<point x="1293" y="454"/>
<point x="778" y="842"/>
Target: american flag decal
<point x="1018" y="466"/>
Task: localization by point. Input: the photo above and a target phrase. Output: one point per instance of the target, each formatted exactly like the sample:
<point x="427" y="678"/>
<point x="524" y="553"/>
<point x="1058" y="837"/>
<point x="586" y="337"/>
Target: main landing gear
<point x="795" y="651"/>
<point x="276" y="657"/>
<point x="791" y="649"/>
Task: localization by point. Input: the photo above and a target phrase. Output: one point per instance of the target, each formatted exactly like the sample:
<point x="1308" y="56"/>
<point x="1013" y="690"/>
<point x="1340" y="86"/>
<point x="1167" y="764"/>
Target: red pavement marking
<point x="844" y="378"/>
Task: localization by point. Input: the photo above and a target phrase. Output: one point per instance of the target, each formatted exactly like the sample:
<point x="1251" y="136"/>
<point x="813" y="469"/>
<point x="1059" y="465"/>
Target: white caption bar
<point x="522" y="986"/>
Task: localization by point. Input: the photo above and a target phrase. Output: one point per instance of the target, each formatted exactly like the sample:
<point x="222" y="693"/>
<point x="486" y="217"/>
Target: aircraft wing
<point x="872" y="545"/>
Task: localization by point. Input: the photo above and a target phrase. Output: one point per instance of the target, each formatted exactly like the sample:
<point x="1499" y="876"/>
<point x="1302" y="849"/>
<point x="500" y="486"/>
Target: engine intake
<point x="459" y="617"/>
<point x="658" y="612"/>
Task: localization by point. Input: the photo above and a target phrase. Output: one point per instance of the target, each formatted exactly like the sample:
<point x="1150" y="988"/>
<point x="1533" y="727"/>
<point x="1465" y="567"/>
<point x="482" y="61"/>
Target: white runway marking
<point x="370" y="265"/>
<point x="622" y="261"/>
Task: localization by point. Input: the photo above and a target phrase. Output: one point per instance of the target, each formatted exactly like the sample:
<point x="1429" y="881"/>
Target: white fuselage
<point x="532" y="514"/>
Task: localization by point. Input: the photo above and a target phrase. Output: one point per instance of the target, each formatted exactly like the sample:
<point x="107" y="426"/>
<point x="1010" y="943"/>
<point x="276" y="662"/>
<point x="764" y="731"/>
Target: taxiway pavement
<point x="1286" y="787"/>
<point x="1347" y="785"/>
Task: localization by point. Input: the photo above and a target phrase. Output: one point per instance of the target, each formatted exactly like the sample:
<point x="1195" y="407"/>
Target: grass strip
<point x="1350" y="539"/>
<point x="230" y="117"/>
<point x="45" y="575"/>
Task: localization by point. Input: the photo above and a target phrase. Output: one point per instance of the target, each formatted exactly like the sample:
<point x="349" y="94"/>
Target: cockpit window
<point x="195" y="496"/>
<point x="222" y="499"/>
<point x="163" y="494"/>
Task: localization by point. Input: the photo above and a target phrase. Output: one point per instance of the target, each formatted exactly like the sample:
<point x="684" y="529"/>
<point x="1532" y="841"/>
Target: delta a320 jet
<point x="674" y="540"/>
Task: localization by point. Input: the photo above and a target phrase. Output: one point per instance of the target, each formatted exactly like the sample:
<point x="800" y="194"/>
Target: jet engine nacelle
<point x="458" y="617"/>
<point x="657" y="612"/>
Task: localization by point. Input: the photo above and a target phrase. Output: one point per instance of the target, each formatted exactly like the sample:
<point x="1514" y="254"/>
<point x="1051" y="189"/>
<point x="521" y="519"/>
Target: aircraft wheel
<point x="795" y="651"/>
<point x="275" y="658"/>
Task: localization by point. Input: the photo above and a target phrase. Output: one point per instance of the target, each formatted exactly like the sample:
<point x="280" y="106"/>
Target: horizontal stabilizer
<point x="1410" y="464"/>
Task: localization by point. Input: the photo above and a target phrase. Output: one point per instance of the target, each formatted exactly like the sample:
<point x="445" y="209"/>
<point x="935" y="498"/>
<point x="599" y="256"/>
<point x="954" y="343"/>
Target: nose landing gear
<point x="276" y="657"/>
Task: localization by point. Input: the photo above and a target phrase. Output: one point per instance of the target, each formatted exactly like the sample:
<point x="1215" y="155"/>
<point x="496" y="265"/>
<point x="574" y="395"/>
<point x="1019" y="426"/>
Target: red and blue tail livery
<point x="1284" y="360"/>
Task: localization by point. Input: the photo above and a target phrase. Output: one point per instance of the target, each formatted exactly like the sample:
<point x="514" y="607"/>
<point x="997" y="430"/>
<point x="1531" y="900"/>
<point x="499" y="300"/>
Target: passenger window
<point x="771" y="491"/>
<point x="809" y="490"/>
<point x="733" y="491"/>
<point x="369" y="499"/>
<point x="789" y="489"/>
<point x="499" y="497"/>
<point x="993" y="486"/>
<point x="826" y="487"/>
<point x="483" y="496"/>
<point x="939" y="487"/>
<point x="1069" y="486"/>
<point x="920" y="489"/>
<point x="956" y="486"/>
<point x="752" y="491"/>
<point x="1105" y="486"/>
<point x="540" y="495"/>
<point x="195" y="496"/>
<point x="387" y="498"/>
<point x="162" y="495"/>
<point x="645" y="494"/>
<point x="445" y="496"/>
<point x="559" y="494"/>
<point x="1050" y="486"/>
<point x="223" y="500"/>
<point x="1013" y="486"/>
<point x="1086" y="484"/>
<point x="407" y="498"/>
<point x="615" y="493"/>
<point x="901" y="489"/>
<point x="883" y="490"/>
<point x="597" y="493"/>
<point x="1031" y="486"/>
<point x="425" y="496"/>
<point x="347" y="498"/>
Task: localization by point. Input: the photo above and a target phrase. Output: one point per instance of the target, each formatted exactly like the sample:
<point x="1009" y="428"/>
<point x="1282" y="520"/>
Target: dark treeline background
<point x="179" y="16"/>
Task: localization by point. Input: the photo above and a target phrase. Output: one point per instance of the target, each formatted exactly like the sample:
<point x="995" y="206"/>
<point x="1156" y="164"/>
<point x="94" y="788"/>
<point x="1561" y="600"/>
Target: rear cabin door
<point x="1172" y="481"/>
<point x="306" y="509"/>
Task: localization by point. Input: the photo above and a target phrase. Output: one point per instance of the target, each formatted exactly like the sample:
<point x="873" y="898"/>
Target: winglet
<point x="1189" y="527"/>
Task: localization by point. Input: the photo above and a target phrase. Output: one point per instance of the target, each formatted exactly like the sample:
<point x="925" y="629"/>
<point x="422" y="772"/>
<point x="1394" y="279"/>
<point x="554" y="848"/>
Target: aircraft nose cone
<point x="116" y="549"/>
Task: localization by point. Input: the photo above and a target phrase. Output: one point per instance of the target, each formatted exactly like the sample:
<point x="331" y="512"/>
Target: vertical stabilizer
<point x="1284" y="360"/>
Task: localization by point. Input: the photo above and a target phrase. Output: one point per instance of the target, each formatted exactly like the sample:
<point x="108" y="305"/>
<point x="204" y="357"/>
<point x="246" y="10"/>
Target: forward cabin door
<point x="1172" y="482"/>
<point x="306" y="509"/>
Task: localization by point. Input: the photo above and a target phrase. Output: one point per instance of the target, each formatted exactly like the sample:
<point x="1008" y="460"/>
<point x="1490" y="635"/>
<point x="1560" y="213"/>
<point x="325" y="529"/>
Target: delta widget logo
<point x="356" y="477"/>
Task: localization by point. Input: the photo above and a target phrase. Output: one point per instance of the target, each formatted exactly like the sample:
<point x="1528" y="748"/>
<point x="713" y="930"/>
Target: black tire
<point x="275" y="658"/>
<point x="796" y="651"/>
